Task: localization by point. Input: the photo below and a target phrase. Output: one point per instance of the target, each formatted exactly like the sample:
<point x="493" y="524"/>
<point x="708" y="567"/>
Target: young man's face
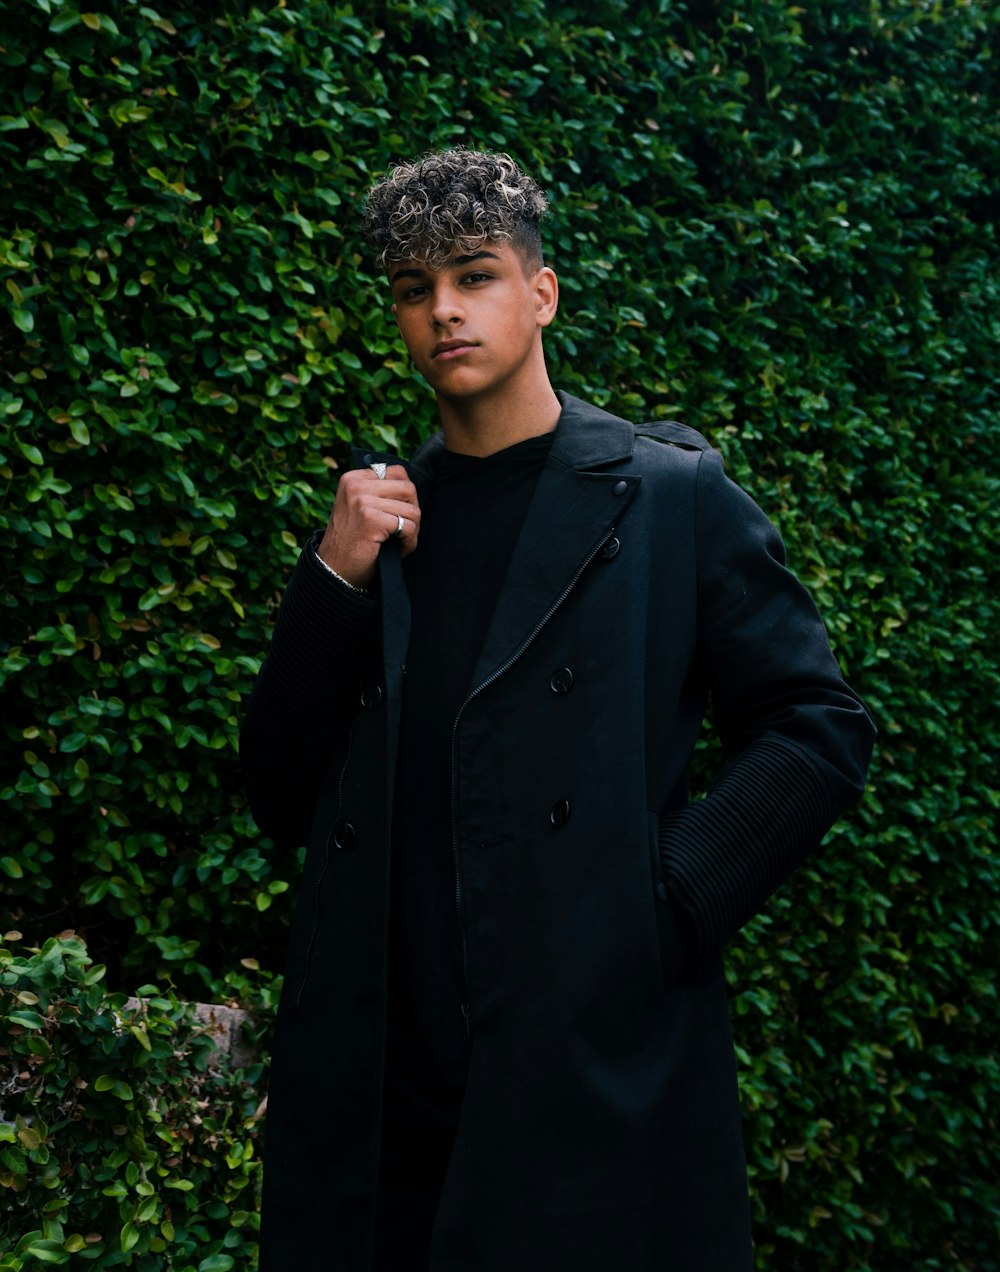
<point x="474" y="325"/>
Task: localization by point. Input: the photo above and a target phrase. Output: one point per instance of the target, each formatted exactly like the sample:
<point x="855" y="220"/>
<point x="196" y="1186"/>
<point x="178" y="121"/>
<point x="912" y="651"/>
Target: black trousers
<point x="411" y="1174"/>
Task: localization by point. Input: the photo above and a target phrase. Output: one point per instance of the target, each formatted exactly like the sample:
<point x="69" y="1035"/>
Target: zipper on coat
<point x="466" y="1007"/>
<point x="325" y="867"/>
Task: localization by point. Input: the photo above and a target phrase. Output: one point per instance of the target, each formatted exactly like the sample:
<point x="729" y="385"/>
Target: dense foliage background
<point x="774" y="222"/>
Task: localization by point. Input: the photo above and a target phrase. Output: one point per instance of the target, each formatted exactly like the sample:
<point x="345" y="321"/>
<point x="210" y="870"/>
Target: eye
<point x="478" y="276"/>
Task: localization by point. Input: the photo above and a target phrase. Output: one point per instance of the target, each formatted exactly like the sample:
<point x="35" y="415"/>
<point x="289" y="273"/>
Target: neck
<point x="486" y="424"/>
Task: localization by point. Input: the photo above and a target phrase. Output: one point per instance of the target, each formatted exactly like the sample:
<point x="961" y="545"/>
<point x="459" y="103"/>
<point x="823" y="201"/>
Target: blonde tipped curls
<point x="451" y="203"/>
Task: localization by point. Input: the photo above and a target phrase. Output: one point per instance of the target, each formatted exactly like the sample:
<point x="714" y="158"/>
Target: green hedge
<point x="128" y="1146"/>
<point x="774" y="222"/>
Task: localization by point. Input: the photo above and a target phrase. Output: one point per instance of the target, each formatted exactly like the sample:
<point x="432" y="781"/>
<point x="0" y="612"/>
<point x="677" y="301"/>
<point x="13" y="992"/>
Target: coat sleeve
<point x="799" y="740"/>
<point x="305" y="696"/>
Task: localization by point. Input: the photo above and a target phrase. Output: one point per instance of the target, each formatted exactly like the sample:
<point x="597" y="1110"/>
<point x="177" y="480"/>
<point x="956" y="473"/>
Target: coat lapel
<point x="395" y="626"/>
<point x="575" y="506"/>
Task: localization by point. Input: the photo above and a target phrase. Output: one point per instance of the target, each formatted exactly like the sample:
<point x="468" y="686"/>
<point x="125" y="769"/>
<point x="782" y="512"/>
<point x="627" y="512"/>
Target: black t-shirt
<point x="469" y="525"/>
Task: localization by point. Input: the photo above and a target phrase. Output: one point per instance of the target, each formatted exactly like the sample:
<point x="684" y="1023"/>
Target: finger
<point x="367" y="507"/>
<point x="409" y="536"/>
<point x="394" y="473"/>
<point x="372" y="517"/>
<point x="390" y="488"/>
<point x="363" y="479"/>
<point x="401" y="527"/>
<point x="396" y="507"/>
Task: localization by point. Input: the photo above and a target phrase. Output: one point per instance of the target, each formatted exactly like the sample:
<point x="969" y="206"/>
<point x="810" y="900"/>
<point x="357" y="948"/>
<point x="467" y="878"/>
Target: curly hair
<point x="453" y="202"/>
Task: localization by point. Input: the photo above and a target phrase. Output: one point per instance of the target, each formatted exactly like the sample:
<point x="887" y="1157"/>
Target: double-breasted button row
<point x="611" y="548"/>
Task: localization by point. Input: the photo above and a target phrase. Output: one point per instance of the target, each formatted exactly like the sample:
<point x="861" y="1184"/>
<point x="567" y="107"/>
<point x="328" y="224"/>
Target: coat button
<point x="620" y="487"/>
<point x="611" y="548"/>
<point x="371" y="697"/>
<point x="560" y="813"/>
<point x="561" y="680"/>
<point x="345" y="837"/>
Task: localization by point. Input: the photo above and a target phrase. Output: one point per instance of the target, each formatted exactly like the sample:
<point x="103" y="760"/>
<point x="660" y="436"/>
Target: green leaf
<point x="31" y="453"/>
<point x="27" y="1019"/>
<point x="64" y="21"/>
<point x="108" y="1082"/>
<point x="48" y="1252"/>
<point x="139" y="1033"/>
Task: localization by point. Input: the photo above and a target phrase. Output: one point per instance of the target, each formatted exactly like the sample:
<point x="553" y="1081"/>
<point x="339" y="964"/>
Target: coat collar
<point x="585" y="438"/>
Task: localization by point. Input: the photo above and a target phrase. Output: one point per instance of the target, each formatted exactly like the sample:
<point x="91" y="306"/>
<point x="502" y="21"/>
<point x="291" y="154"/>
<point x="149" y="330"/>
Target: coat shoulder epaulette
<point x="673" y="434"/>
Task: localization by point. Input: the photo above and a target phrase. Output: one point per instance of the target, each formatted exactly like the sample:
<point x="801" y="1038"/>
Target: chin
<point x="458" y="386"/>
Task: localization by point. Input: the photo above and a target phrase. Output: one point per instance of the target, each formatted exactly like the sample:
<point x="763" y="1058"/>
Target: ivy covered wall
<point x="776" y="223"/>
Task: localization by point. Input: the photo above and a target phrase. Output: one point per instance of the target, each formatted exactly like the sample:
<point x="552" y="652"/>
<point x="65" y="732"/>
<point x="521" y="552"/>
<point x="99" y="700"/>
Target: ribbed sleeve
<point x="800" y="738"/>
<point x="305" y="695"/>
<point x="723" y="856"/>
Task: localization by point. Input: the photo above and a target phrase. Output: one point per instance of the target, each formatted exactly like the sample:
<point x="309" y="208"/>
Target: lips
<point x="450" y="348"/>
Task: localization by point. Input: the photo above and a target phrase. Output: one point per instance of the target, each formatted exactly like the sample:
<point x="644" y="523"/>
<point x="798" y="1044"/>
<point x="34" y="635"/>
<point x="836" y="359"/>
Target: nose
<point x="447" y="308"/>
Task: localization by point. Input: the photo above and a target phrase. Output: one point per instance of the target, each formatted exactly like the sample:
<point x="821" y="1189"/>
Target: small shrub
<point x="121" y="1142"/>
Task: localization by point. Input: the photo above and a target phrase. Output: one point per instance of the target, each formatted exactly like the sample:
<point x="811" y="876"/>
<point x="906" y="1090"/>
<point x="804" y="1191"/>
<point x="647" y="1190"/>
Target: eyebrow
<point x="416" y="271"/>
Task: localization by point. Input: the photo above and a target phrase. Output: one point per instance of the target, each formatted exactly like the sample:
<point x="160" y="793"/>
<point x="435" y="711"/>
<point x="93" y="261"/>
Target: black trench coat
<point x="600" y="1130"/>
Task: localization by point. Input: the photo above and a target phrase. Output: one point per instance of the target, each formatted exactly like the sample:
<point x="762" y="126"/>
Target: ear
<point x="394" y="313"/>
<point x="546" y="287"/>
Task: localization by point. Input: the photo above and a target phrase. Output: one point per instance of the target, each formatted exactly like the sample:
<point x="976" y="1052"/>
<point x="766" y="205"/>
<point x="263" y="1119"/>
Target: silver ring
<point x="400" y="526"/>
<point x="379" y="470"/>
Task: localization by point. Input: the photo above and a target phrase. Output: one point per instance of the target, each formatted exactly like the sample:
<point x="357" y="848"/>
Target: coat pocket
<point x="309" y="911"/>
<point x="672" y="925"/>
<point x="299" y="971"/>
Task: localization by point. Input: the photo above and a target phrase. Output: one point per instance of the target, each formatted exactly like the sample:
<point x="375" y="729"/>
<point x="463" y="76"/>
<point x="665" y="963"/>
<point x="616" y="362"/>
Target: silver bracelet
<point x="361" y="591"/>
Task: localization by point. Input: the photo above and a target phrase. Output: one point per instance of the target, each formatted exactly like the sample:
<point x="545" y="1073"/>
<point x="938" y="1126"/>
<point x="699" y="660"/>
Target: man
<point x="503" y="1042"/>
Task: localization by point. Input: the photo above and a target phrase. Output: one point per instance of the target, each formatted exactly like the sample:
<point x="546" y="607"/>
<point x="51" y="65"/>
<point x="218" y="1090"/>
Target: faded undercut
<point x="452" y="203"/>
